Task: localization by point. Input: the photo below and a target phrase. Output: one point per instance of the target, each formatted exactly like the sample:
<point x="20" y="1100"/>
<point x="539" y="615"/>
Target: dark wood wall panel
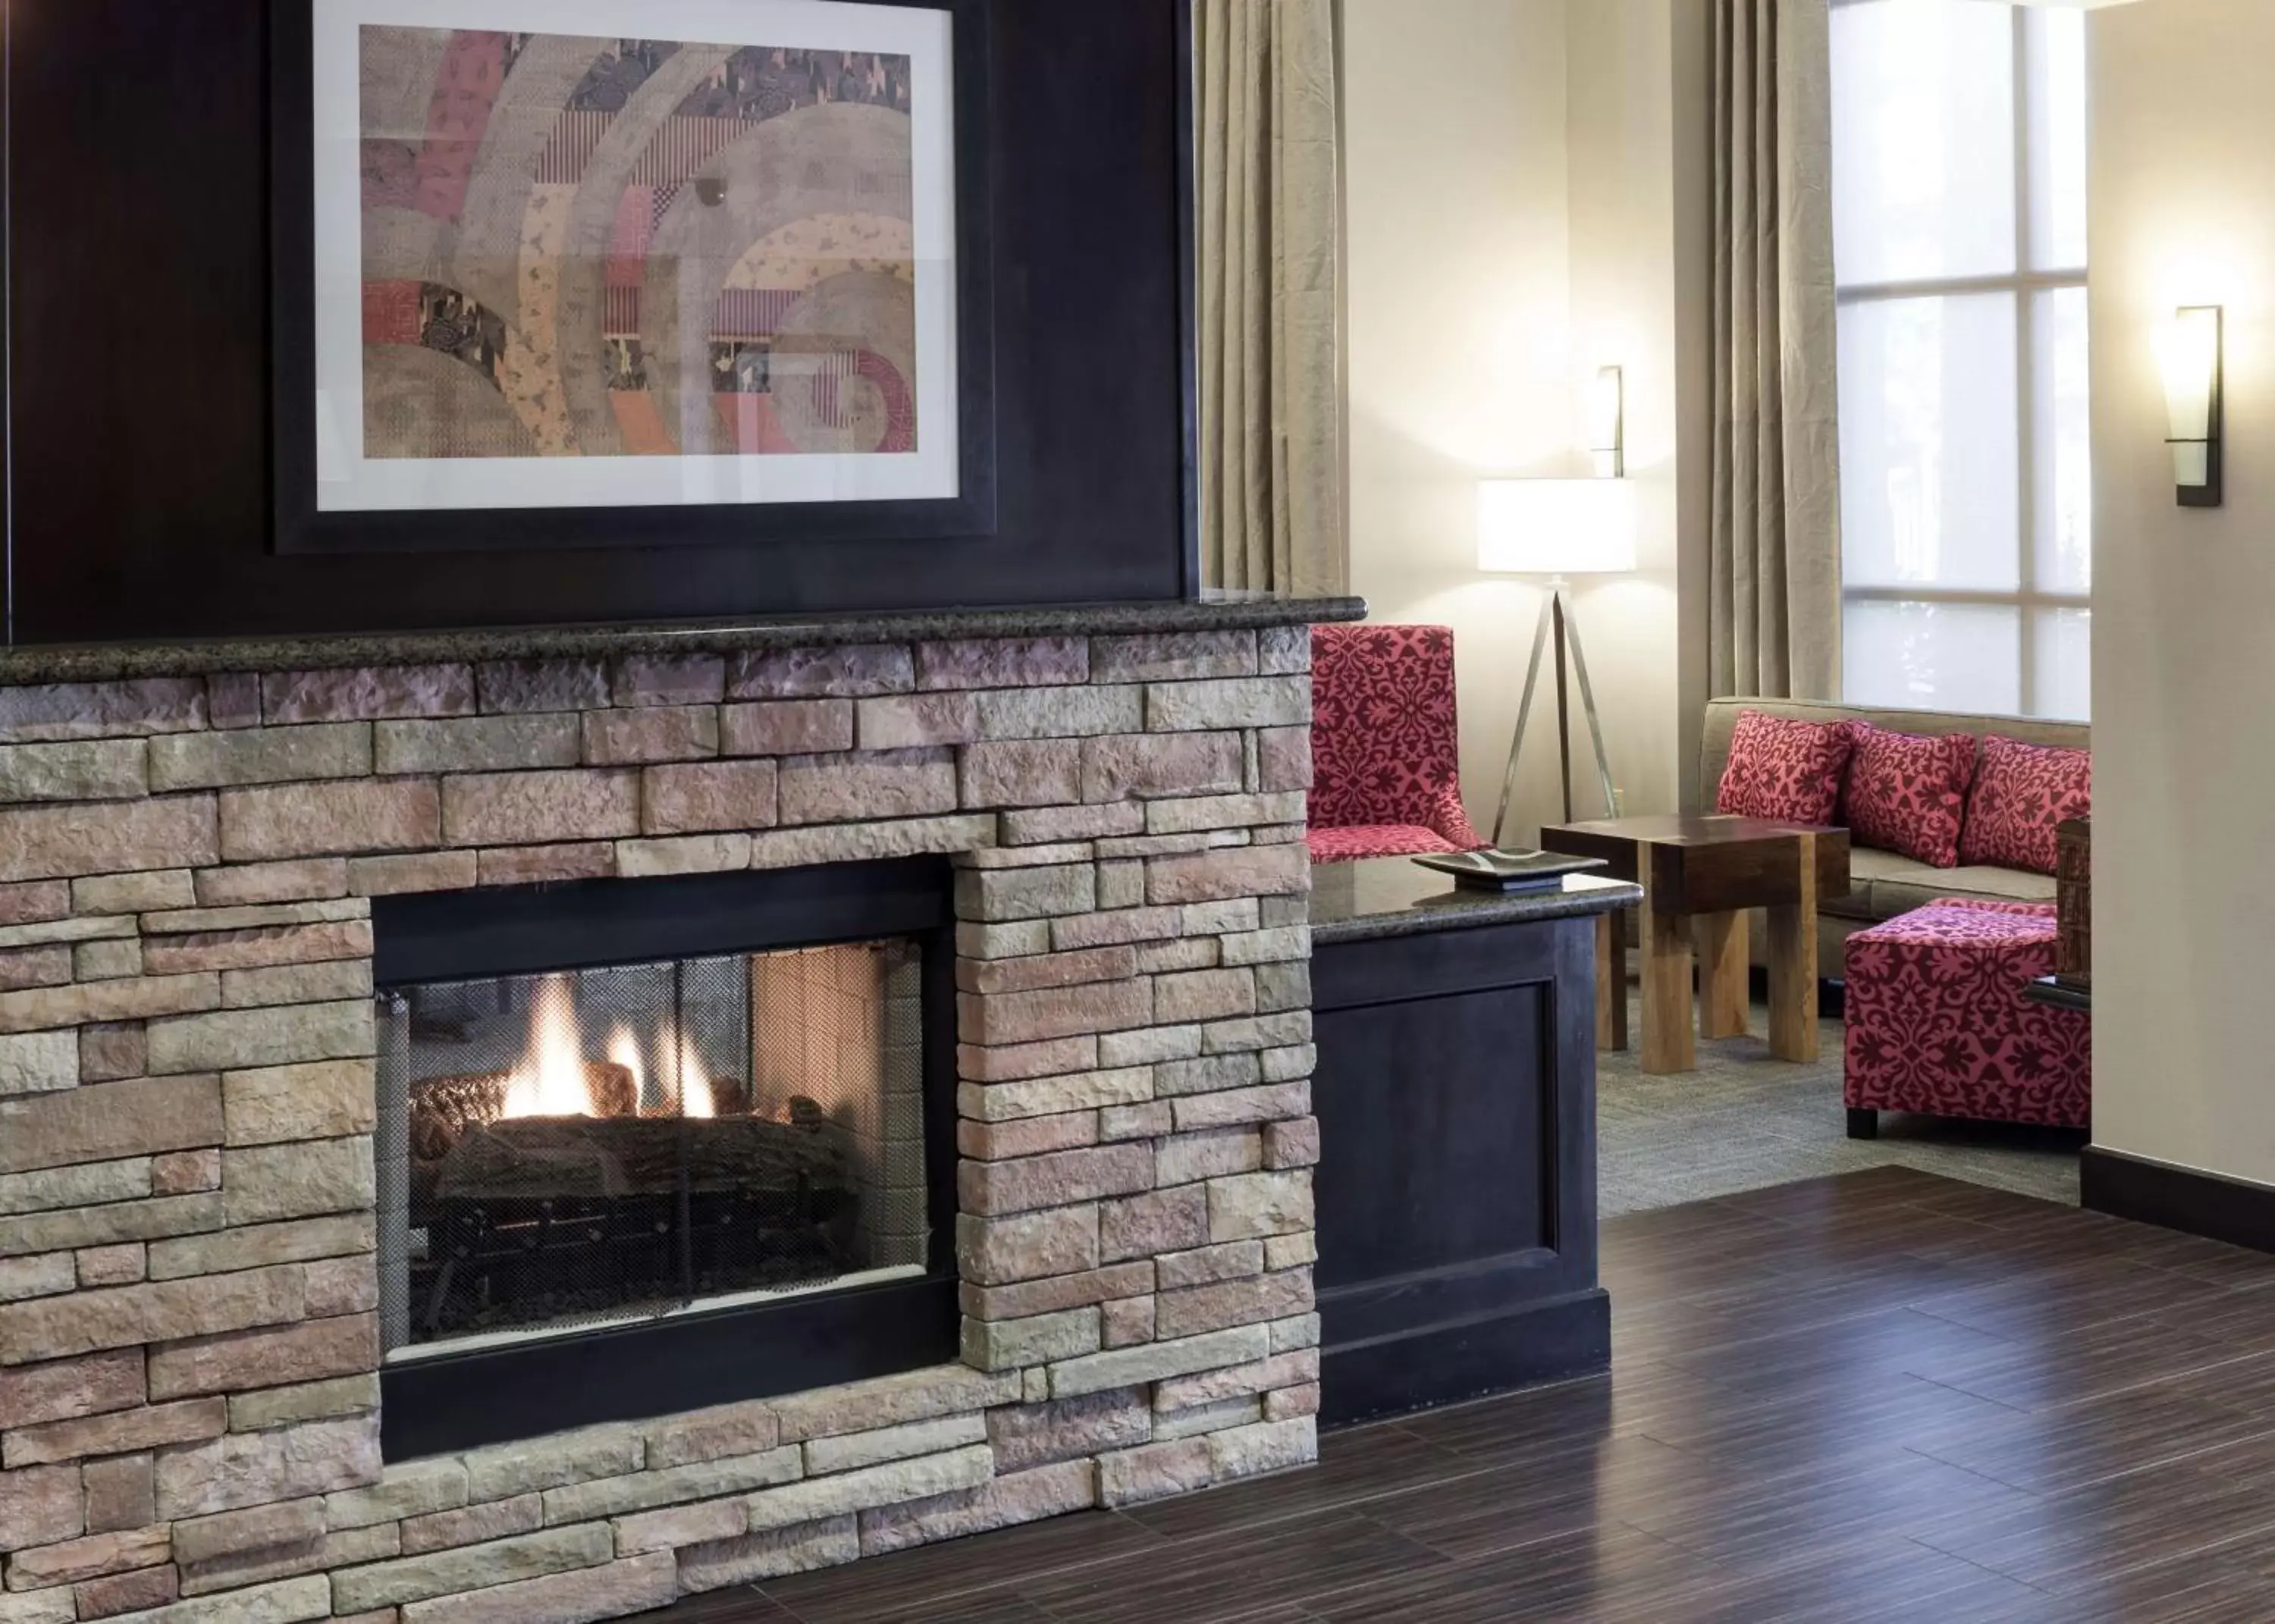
<point x="139" y="430"/>
<point x="1455" y="1093"/>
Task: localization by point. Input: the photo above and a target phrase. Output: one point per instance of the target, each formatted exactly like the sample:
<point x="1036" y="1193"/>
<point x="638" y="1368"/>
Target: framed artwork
<point x="173" y="393"/>
<point x="567" y="273"/>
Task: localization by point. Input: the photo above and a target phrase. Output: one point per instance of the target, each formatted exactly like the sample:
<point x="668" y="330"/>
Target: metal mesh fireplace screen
<point x="582" y="1148"/>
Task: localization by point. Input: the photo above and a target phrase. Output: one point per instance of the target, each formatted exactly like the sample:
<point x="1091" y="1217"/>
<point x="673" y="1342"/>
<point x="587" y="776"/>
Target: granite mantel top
<point x="1391" y="896"/>
<point x="113" y="661"/>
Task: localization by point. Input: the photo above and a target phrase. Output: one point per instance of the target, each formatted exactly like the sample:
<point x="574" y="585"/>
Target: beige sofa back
<point x="1722" y="720"/>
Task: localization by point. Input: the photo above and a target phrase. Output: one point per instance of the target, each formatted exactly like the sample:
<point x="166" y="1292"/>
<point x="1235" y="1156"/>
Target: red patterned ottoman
<point x="1938" y="1022"/>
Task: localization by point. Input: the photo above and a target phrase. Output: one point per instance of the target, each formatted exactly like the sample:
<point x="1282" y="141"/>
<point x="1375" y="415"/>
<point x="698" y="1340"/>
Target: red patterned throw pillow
<point x="1907" y="793"/>
<point x="2021" y="791"/>
<point x="1785" y="770"/>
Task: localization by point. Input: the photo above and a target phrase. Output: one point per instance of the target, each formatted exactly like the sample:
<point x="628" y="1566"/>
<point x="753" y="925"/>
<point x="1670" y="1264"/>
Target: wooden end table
<point x="1699" y="876"/>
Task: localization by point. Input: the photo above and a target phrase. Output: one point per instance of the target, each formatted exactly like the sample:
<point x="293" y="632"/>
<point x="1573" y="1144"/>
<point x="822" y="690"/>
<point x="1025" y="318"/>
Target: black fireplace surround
<point x="450" y="1399"/>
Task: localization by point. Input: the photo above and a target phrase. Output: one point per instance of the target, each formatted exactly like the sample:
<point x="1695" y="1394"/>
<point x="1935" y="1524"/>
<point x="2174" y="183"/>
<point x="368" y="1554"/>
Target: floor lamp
<point x="1557" y="528"/>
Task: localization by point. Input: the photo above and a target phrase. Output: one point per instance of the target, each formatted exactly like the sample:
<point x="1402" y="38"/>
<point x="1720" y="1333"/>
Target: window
<point x="1958" y="137"/>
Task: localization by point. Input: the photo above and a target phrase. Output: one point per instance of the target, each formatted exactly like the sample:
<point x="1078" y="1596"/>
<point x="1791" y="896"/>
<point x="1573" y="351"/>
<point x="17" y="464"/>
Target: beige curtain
<point x="1775" y="613"/>
<point x="1272" y="463"/>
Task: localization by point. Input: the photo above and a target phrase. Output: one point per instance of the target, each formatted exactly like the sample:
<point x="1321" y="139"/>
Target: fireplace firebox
<point x="579" y="1147"/>
<point x="626" y="1127"/>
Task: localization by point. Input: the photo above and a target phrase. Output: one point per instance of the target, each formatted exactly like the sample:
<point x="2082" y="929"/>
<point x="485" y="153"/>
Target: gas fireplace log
<point x="443" y="1108"/>
<point x="728" y="1097"/>
<point x="537" y="1156"/>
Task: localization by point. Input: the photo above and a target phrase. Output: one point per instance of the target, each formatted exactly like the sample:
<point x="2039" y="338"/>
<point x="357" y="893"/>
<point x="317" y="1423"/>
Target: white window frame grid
<point x="2024" y="283"/>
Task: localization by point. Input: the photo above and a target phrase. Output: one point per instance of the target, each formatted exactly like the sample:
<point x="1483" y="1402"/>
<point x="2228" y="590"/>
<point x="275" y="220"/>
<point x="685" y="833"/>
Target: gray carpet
<point x="1743" y="1121"/>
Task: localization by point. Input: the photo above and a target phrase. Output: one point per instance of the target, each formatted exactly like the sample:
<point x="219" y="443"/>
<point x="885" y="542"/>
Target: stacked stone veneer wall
<point x="188" y="1345"/>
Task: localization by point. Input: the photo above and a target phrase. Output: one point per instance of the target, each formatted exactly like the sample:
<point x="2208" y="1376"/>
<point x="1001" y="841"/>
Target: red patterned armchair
<point x="1386" y="754"/>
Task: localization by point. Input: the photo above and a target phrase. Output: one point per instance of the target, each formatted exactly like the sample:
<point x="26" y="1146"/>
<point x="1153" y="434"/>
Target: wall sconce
<point x="1607" y="424"/>
<point x="2190" y="350"/>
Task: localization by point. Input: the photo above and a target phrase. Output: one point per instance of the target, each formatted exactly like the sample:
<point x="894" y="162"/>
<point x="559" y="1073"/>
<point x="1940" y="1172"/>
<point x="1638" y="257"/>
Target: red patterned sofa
<point x="1386" y="754"/>
<point x="1884" y="884"/>
<point x="1938" y="1023"/>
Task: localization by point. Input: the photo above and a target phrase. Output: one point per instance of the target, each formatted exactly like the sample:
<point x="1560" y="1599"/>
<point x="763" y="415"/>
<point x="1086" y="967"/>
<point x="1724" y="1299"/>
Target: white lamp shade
<point x="1556" y="526"/>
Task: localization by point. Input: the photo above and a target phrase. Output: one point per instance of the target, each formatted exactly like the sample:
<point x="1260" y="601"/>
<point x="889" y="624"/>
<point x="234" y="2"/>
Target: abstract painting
<point x="623" y="267"/>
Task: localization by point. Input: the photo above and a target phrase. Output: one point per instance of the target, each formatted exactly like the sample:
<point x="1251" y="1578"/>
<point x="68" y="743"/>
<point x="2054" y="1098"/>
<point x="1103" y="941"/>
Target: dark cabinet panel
<point x="1455" y="1092"/>
<point x="1413" y="1125"/>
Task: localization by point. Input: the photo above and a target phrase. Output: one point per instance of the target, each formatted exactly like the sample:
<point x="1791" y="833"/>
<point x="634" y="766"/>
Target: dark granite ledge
<point x="1390" y="896"/>
<point x="111" y="661"/>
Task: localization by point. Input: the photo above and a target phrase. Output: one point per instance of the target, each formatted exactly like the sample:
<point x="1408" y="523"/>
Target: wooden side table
<point x="1700" y="877"/>
<point x="2074" y="897"/>
<point x="2071" y="986"/>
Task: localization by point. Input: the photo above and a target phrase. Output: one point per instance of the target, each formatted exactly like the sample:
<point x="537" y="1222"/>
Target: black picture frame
<point x="299" y="527"/>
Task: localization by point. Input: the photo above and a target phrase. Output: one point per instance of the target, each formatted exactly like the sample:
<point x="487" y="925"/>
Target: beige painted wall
<point x="1622" y="112"/>
<point x="2184" y="770"/>
<point x="1456" y="191"/>
<point x="1690" y="106"/>
<point x="1510" y="175"/>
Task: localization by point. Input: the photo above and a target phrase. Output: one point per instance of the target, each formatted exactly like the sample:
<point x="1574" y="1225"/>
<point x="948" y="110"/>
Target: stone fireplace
<point x="355" y="1109"/>
<point x="708" y="1118"/>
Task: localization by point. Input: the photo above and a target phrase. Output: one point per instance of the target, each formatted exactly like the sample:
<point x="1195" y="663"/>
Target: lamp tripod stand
<point x="1559" y="624"/>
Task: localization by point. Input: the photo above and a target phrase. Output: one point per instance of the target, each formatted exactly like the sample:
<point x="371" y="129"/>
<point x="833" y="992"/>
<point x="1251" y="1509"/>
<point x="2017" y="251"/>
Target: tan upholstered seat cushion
<point x="1883" y="885"/>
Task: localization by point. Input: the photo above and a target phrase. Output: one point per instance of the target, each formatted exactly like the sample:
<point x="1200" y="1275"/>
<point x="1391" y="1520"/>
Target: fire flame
<point x="550" y="1080"/>
<point x="553" y="1079"/>
<point x="694" y="1081"/>
<point x="624" y="1050"/>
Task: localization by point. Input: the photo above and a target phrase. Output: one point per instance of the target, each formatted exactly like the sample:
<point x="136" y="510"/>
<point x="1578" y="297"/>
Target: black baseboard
<point x="1435" y="1365"/>
<point x="2154" y="1192"/>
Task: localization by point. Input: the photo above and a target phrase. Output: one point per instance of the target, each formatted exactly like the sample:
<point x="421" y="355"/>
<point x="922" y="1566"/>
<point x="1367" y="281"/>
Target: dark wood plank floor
<point x="1881" y="1396"/>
